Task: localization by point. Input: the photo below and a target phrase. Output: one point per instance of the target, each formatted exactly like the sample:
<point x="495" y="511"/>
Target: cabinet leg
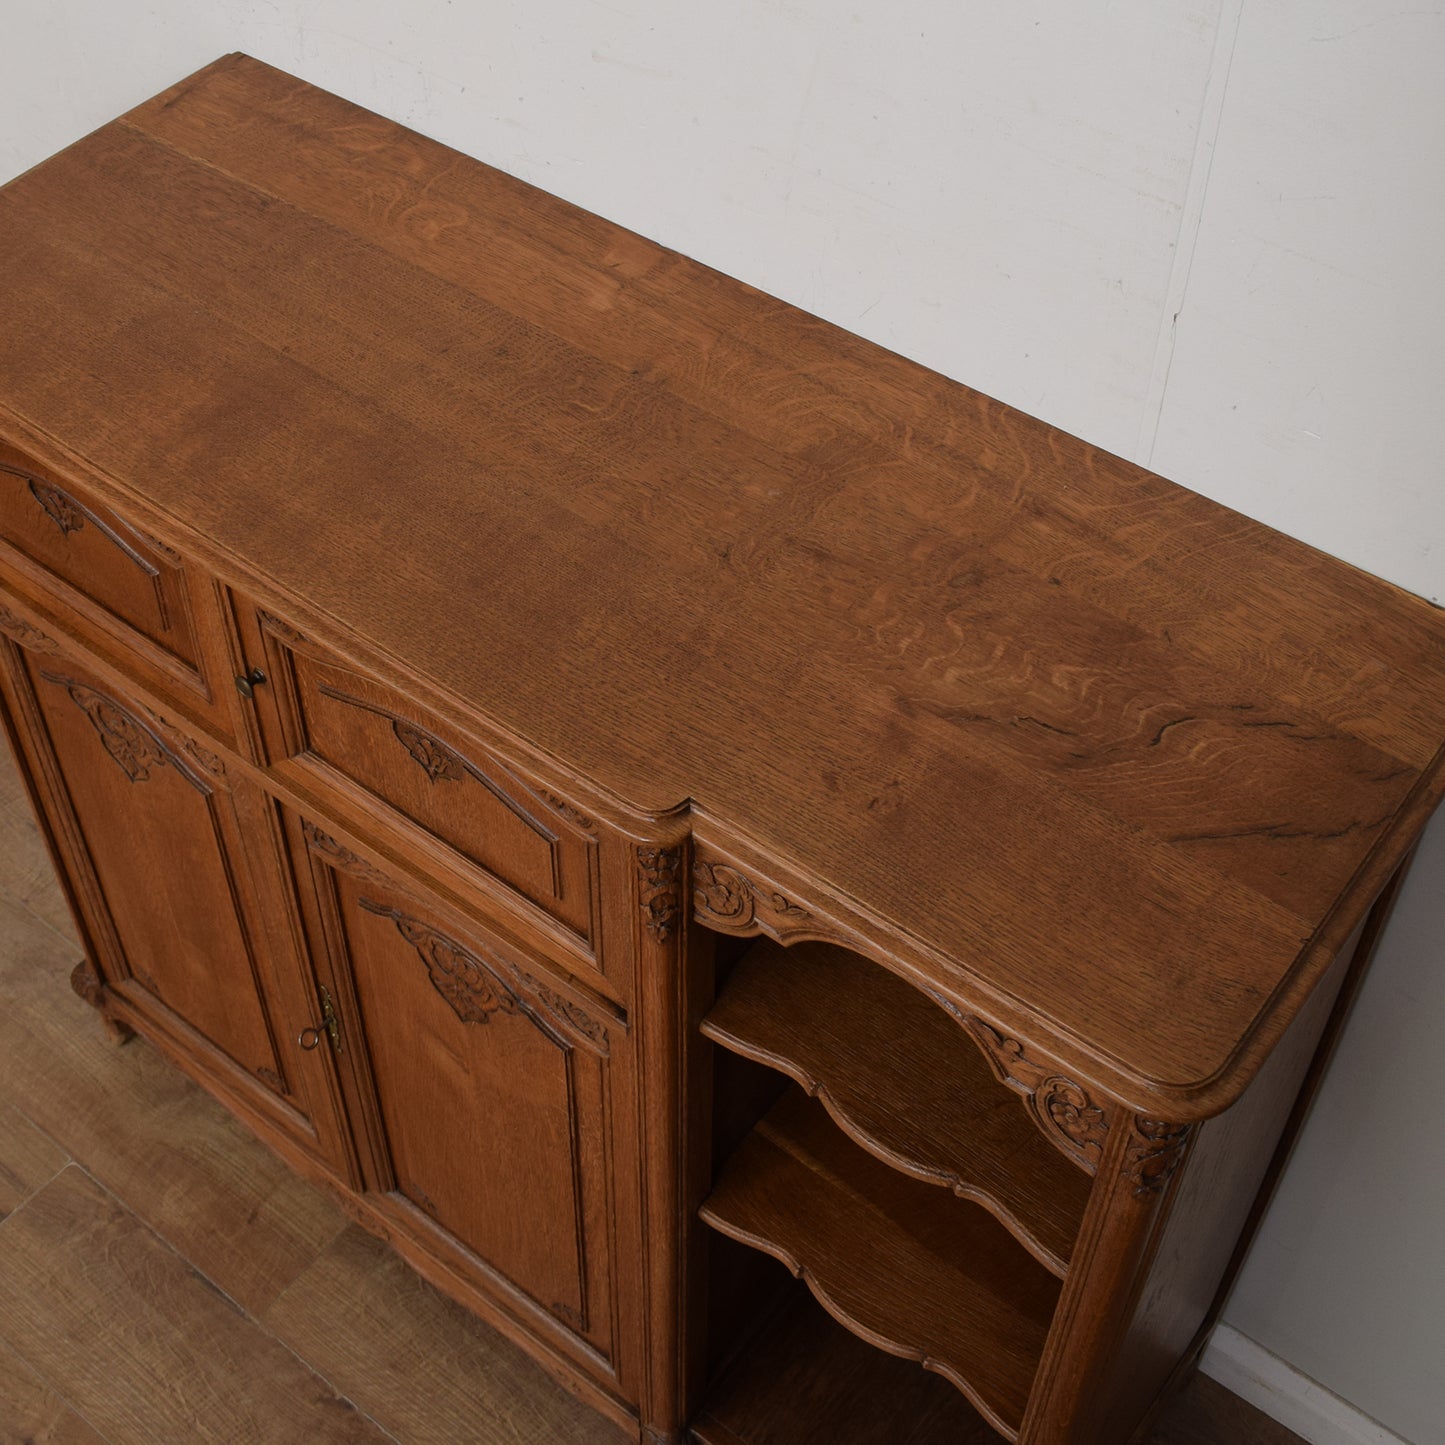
<point x="86" y="982"/>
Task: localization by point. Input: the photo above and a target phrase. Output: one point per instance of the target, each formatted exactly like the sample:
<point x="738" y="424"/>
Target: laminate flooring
<point x="164" y="1279"/>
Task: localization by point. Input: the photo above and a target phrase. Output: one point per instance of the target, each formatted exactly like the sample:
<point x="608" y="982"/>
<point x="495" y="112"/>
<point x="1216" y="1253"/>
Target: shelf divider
<point x="905" y="1267"/>
<point x="904" y="1081"/>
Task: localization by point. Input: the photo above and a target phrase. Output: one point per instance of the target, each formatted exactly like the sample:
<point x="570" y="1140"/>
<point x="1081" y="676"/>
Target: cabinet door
<point x="479" y="1092"/>
<point x="174" y="868"/>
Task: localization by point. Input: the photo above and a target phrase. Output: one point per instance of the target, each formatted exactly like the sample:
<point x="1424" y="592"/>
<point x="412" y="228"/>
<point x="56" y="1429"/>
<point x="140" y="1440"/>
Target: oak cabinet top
<point x="1124" y="764"/>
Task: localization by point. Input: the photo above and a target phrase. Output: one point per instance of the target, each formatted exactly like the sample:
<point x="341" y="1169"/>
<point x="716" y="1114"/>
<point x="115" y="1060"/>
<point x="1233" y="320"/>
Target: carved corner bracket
<point x="728" y="900"/>
<point x="1063" y="1110"/>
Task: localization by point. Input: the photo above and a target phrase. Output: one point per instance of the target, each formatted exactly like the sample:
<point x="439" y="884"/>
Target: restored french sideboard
<point x="654" y="799"/>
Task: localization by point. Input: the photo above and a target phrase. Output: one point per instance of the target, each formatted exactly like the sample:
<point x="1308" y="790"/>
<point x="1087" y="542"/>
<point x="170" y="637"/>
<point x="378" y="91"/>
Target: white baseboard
<point x="1282" y="1392"/>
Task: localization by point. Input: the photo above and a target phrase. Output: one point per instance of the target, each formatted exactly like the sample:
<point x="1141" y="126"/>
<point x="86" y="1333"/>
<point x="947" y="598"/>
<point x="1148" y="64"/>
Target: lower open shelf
<point x="911" y="1269"/>
<point x="807" y="1381"/>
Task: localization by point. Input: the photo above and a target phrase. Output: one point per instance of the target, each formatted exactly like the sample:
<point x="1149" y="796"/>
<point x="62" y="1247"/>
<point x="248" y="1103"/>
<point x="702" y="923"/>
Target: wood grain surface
<point x="32" y="1414"/>
<point x="1115" y="761"/>
<point x="28" y="1158"/>
<point x="70" y="1251"/>
<point x="127" y="1114"/>
<point x="422" y="1367"/>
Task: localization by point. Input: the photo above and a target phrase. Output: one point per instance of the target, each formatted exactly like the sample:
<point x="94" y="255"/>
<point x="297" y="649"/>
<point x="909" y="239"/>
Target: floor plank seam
<point x="50" y="1178"/>
<point x="49" y="1385"/>
<point x="260" y="1325"/>
<point x="71" y="944"/>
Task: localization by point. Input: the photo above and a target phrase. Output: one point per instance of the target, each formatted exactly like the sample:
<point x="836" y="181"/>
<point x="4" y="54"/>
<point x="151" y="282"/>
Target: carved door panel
<point x="478" y="1090"/>
<point x="174" y="869"/>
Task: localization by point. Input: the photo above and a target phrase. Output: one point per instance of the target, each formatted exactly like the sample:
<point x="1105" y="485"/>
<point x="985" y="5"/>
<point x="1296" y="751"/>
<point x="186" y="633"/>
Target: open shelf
<point x="808" y="1381"/>
<point x="904" y="1081"/>
<point x="904" y="1266"/>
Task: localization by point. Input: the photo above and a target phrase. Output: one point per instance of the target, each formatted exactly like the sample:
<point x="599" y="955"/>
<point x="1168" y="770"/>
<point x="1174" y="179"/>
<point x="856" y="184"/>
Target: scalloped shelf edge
<point x="864" y="1331"/>
<point x="915" y="1169"/>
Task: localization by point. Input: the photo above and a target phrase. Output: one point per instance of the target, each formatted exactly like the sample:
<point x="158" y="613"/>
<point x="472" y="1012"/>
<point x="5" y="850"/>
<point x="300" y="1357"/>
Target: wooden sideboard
<point x="654" y="799"/>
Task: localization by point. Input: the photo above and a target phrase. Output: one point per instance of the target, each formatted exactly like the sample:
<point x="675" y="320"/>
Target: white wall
<point x="1198" y="232"/>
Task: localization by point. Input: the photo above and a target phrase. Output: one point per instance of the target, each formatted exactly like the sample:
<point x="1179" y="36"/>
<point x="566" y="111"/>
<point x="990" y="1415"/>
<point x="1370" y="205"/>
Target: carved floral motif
<point x="728" y="900"/>
<point x="138" y="746"/>
<point x="60" y="507"/>
<point x="475" y="988"/>
<point x="572" y="1016"/>
<point x="1158" y="1152"/>
<point x="432" y="755"/>
<point x="661" y="892"/>
<point x="133" y="745"/>
<point x="438" y="761"/>
<point x="472" y="990"/>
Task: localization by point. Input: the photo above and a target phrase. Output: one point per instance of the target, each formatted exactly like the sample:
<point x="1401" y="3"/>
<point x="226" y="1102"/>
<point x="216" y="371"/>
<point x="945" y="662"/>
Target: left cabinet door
<point x="172" y="862"/>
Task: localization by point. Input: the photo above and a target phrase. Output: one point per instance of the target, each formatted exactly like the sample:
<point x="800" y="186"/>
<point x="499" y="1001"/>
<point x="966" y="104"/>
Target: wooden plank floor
<point x="164" y="1279"/>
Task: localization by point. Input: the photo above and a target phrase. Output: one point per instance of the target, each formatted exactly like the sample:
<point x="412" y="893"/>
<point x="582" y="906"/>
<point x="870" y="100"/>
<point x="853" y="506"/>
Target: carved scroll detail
<point x="59" y="506"/>
<point x="343" y="858"/>
<point x="1063" y="1110"/>
<point x="1158" y="1153"/>
<point x="472" y="990"/>
<point x="131" y="745"/>
<point x="26" y="635"/>
<point x="567" y="811"/>
<point x="474" y="987"/>
<point x="272" y="1080"/>
<point x="567" y="1011"/>
<point x="661" y="892"/>
<point x="138" y="746"/>
<point x="70" y="515"/>
<point x="441" y="761"/>
<point x="274" y="625"/>
<point x="728" y="900"/>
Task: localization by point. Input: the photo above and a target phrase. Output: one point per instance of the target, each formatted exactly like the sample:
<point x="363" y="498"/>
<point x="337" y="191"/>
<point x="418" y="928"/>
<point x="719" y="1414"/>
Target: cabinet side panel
<point x="1227" y="1167"/>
